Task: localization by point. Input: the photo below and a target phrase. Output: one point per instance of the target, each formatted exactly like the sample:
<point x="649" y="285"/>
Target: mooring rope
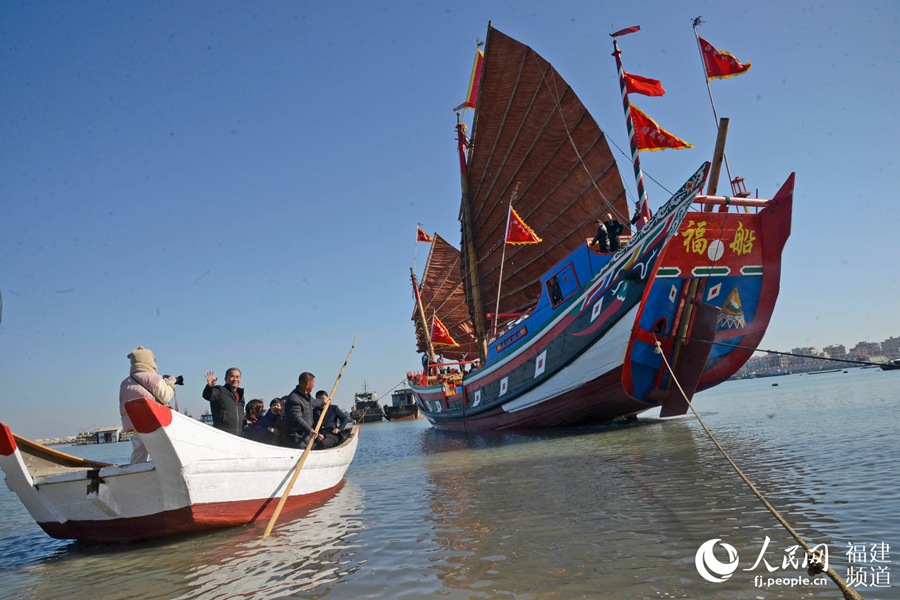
<point x="815" y="560"/>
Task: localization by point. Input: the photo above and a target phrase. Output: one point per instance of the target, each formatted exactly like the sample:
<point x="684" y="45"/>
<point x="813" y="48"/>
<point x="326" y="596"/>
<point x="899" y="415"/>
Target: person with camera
<point x="226" y="402"/>
<point x="144" y="382"/>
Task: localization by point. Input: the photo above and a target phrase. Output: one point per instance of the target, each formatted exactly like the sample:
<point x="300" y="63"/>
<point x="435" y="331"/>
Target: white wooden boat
<point x="198" y="478"/>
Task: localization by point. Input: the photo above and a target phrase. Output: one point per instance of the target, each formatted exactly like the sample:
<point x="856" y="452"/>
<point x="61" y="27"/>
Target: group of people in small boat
<point x="289" y="421"/>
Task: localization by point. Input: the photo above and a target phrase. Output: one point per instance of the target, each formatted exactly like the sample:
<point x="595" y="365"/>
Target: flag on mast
<point x="474" y="82"/>
<point x="650" y="136"/>
<point x="636" y="84"/>
<point x="720" y="64"/>
<point x="421" y="236"/>
<point x="517" y="232"/>
<point x="440" y="335"/>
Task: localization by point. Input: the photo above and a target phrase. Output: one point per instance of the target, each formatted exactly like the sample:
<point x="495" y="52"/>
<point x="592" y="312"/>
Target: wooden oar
<point x="308" y="447"/>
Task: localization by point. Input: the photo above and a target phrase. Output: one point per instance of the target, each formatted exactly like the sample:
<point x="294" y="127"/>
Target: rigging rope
<point x="554" y="93"/>
<point x="797" y="354"/>
<point x="816" y="563"/>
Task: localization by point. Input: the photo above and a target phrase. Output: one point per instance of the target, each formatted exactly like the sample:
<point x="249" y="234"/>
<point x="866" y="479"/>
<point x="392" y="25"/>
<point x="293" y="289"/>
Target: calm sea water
<point x="606" y="512"/>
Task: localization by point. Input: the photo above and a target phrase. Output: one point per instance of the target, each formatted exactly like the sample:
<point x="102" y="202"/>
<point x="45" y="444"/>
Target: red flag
<point x="421" y="236"/>
<point x="651" y="136"/>
<point x="474" y="81"/>
<point x="719" y="64"/>
<point x="517" y="232"/>
<point x="439" y="333"/>
<point x="626" y="31"/>
<point x="635" y="84"/>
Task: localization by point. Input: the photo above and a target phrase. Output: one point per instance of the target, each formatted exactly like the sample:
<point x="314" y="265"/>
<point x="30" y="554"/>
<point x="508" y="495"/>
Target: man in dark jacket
<point x="332" y="425"/>
<point x="614" y="229"/>
<point x="298" y="408"/>
<point x="601" y="240"/>
<point x="226" y="402"/>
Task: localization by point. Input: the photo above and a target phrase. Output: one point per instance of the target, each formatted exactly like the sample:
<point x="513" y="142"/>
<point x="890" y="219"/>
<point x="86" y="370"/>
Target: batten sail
<point x="442" y="294"/>
<point x="530" y="130"/>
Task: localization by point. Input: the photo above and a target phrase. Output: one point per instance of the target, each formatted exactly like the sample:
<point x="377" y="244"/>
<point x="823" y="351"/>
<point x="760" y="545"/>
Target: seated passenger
<point x="270" y="427"/>
<point x="254" y="410"/>
<point x="332" y="425"/>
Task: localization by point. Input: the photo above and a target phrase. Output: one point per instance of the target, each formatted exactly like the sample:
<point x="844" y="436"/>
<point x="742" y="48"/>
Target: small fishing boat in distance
<point x="199" y="478"/>
<point x="366" y="408"/>
<point x="403" y="406"/>
<point x="891" y="366"/>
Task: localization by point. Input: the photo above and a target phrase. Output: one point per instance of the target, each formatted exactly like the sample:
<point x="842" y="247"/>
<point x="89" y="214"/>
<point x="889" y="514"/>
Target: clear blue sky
<point x="238" y="184"/>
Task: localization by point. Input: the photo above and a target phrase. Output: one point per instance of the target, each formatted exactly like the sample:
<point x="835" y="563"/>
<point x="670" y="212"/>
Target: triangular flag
<point x="517" y="232"/>
<point x="651" y="136"/>
<point x="719" y="64"/>
<point x="421" y="236"/>
<point x="439" y="333"/>
<point x="474" y="82"/>
<point x="636" y="84"/>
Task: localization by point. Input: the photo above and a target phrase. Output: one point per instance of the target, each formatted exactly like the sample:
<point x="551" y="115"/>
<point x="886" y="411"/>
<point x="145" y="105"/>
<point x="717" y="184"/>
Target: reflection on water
<point x="616" y="511"/>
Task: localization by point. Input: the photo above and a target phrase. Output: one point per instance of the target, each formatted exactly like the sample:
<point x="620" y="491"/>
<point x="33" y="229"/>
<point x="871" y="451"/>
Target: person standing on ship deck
<point x="601" y="240"/>
<point x="614" y="229"/>
<point x="226" y="402"/>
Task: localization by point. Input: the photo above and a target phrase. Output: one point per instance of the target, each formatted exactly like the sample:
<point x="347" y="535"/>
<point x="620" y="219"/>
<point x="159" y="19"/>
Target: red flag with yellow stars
<point x="636" y="84"/>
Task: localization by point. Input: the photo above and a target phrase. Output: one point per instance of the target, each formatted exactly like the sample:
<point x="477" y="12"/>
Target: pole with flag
<point x="717" y="65"/>
<point x="517" y="232"/>
<point x="642" y="207"/>
<point x="421" y="236"/>
<point x="420" y="311"/>
<point x="474" y="80"/>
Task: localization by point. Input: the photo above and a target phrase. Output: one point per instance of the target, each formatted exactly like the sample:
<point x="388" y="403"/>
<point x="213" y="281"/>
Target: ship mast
<point x="642" y="206"/>
<point x="465" y="217"/>
<point x="420" y="310"/>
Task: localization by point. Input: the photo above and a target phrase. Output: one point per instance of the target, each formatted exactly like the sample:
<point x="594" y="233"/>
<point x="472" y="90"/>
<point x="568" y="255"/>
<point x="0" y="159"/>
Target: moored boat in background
<point x="403" y="406"/>
<point x="366" y="408"/>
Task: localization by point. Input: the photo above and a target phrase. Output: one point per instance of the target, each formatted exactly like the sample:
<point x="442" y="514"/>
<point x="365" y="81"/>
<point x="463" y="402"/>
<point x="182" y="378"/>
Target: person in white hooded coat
<point x="143" y="382"/>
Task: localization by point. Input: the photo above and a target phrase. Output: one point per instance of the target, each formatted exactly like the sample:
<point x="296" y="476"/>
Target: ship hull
<point x="589" y="359"/>
<point x="731" y="261"/>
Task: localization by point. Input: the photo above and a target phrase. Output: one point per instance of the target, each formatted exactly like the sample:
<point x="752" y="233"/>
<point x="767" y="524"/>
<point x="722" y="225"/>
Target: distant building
<point x="835" y="351"/>
<point x="866" y="349"/>
<point x="891" y="346"/>
<point x="98" y="435"/>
